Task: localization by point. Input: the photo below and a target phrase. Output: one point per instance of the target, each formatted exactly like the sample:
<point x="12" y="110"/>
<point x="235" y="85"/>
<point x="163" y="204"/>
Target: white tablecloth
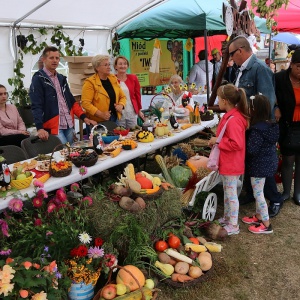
<point x="143" y="148"/>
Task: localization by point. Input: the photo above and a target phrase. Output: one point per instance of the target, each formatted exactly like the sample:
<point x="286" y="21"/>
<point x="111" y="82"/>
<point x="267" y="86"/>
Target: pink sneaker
<point x="223" y="221"/>
<point x="251" y="220"/>
<point x="232" y="229"/>
<point x="261" y="228"/>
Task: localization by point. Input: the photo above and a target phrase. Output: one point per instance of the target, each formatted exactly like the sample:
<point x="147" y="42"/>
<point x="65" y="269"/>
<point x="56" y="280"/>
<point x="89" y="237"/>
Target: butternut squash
<point x="116" y="152"/>
<point x="186" y="126"/>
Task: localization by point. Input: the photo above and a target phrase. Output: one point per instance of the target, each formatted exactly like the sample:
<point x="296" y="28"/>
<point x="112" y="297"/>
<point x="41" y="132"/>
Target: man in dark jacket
<point x="53" y="105"/>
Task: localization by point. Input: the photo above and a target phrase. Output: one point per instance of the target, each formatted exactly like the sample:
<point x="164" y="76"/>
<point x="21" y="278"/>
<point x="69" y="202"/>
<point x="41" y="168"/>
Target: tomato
<point x="194" y="240"/>
<point x="174" y="241"/>
<point x="161" y="246"/>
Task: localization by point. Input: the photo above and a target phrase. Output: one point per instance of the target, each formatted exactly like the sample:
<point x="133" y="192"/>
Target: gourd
<point x="116" y="152"/>
<point x="156" y="181"/>
<point x="129" y="144"/>
<point x="167" y="269"/>
<point x="195" y="248"/>
<point x="144" y="182"/>
<point x="125" y="278"/>
<point x="196" y="162"/>
<point x="144" y="136"/>
<point x="136" y="295"/>
<point x="186" y="126"/>
<point x="213" y="247"/>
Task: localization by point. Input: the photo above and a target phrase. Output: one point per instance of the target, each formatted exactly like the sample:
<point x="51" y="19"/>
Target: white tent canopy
<point x="95" y="20"/>
<point x="87" y="13"/>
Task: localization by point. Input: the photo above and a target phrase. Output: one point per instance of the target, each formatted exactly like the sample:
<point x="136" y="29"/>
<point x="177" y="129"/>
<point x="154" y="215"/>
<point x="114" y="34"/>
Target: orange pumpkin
<point x="144" y="182"/>
<point x="196" y="162"/>
<point x="125" y="278"/>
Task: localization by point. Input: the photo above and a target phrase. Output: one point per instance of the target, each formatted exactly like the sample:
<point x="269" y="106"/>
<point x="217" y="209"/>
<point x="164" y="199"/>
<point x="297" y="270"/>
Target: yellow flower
<point x="6" y="288"/>
<point x="39" y="296"/>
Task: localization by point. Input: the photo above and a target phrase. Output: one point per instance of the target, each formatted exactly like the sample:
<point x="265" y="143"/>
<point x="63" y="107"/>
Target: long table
<point x="54" y="183"/>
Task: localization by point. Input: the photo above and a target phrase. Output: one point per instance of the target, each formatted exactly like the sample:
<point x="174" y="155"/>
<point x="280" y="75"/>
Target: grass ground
<point x="252" y="266"/>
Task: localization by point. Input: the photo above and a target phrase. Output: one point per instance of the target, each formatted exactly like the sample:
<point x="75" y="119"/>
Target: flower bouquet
<point x="87" y="260"/>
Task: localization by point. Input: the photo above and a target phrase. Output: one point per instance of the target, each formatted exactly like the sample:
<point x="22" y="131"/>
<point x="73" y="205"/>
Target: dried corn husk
<point x="202" y="172"/>
<point x="187" y="149"/>
<point x="199" y="143"/>
<point x="186" y="197"/>
<point x="171" y="161"/>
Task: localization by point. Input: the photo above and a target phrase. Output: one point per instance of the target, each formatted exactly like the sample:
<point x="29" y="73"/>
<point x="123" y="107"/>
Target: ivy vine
<point x="29" y="44"/>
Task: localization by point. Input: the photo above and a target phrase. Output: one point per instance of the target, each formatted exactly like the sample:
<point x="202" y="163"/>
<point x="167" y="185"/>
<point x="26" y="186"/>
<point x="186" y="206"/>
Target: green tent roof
<point x="177" y="19"/>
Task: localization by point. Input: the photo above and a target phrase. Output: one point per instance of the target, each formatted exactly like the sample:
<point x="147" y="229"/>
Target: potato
<point x="129" y="204"/>
<point x="201" y="240"/>
<point x="140" y="201"/>
<point x="121" y="190"/>
<point x="182" y="267"/>
<point x="164" y="258"/>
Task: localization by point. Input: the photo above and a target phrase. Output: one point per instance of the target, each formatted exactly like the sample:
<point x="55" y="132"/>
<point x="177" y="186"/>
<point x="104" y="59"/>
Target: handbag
<point x="292" y="138"/>
<point x="214" y="156"/>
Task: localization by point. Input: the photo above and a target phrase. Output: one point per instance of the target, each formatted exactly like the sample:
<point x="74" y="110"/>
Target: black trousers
<point x="14" y="139"/>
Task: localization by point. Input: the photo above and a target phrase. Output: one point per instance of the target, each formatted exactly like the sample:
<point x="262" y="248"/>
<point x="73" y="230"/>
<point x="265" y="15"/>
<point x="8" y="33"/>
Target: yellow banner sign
<point x="154" y="66"/>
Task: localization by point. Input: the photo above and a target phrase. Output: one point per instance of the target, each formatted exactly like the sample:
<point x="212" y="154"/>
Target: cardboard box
<point x="78" y="59"/>
<point x="75" y="66"/>
<point x="75" y="86"/>
<point x="75" y="91"/>
<point x="76" y="78"/>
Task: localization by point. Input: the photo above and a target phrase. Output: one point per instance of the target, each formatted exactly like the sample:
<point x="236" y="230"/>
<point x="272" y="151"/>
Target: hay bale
<point x="106" y="215"/>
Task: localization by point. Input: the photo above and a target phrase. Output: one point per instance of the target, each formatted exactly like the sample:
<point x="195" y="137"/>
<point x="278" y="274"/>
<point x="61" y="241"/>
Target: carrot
<point x="184" y="278"/>
<point x="166" y="185"/>
<point x="149" y="191"/>
<point x="174" y="276"/>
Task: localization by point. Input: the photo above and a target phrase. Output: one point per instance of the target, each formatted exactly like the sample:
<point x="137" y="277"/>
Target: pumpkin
<point x="125" y="278"/>
<point x="145" y="136"/>
<point x="205" y="261"/>
<point x="196" y="162"/>
<point x="144" y="182"/>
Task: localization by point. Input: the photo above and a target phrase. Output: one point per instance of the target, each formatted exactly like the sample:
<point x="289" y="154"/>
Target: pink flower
<point x="61" y="195"/>
<point x="38" y="222"/>
<point x="38" y="183"/>
<point x="15" y="205"/>
<point x="4" y="227"/>
<point x="95" y="252"/>
<point x="51" y="207"/>
<point x="49" y="233"/>
<point x="110" y="260"/>
<point x="88" y="200"/>
<point x="37" y="202"/>
<point x="74" y="187"/>
<point x="5" y="252"/>
<point x="83" y="170"/>
<point x="74" y="154"/>
<point x="42" y="194"/>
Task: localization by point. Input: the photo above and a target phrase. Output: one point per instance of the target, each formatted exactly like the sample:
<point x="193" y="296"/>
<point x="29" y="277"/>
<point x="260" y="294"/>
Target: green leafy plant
<point x="36" y="278"/>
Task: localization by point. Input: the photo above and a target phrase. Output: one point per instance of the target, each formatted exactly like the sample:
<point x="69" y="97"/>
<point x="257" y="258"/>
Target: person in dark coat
<point x="261" y="160"/>
<point x="287" y="89"/>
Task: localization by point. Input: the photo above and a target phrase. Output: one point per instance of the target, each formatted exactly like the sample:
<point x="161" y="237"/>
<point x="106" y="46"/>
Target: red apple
<point x="109" y="291"/>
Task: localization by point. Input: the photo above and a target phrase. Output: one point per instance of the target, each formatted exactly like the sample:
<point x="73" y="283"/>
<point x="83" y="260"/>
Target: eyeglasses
<point x="105" y="65"/>
<point x="5" y="94"/>
<point x="233" y="52"/>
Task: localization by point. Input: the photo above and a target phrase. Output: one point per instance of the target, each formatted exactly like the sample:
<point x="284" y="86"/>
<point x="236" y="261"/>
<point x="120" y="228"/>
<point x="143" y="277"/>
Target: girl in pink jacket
<point x="232" y="150"/>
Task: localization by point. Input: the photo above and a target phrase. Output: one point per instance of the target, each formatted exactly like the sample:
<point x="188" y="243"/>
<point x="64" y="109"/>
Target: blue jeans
<point x="66" y="135"/>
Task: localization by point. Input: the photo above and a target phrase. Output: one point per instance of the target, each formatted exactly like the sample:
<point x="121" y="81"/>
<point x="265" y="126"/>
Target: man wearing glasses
<point x="254" y="76"/>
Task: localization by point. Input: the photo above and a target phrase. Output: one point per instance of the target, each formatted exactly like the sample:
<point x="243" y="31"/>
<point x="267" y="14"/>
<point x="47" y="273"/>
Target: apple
<point x="149" y="283"/>
<point x="21" y="177"/>
<point x="121" y="289"/>
<point x="109" y="291"/>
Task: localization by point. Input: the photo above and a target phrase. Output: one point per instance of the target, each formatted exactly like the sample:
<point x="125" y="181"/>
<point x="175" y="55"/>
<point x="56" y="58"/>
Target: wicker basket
<point x="79" y="161"/>
<point x="149" y="196"/>
<point x="196" y="281"/>
<point x="64" y="172"/>
<point x="22" y="183"/>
